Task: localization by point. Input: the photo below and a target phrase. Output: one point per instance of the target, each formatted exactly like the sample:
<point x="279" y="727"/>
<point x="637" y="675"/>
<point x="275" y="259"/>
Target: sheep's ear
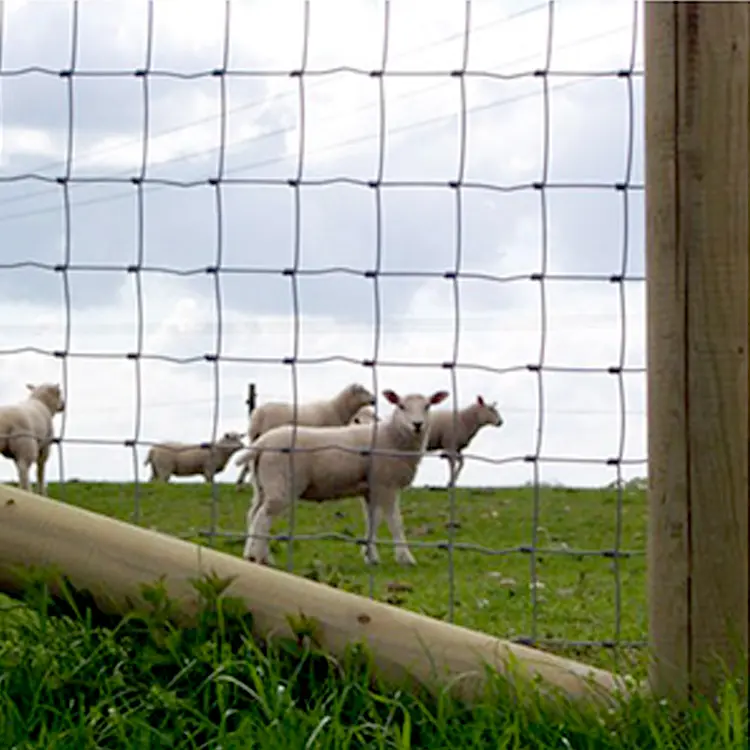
<point x="391" y="396"/>
<point x="438" y="397"/>
<point x="31" y="387"/>
<point x="480" y="400"/>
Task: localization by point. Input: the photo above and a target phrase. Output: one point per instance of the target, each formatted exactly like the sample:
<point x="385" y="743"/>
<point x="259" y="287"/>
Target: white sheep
<point x="189" y="459"/>
<point x="373" y="461"/>
<point x="333" y="412"/>
<point x="453" y="438"/>
<point x="366" y="415"/>
<point x="26" y="431"/>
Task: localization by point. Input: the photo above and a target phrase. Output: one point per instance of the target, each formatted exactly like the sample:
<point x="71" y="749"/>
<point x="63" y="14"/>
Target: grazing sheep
<point x="452" y="439"/>
<point x="184" y="459"/>
<point x="335" y="412"/>
<point x="26" y="431"/>
<point x="341" y="464"/>
<point x="366" y="415"/>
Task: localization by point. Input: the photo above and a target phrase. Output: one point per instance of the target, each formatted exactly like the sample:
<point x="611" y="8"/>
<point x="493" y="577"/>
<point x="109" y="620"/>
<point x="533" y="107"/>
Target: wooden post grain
<point x="111" y="559"/>
<point x="697" y="247"/>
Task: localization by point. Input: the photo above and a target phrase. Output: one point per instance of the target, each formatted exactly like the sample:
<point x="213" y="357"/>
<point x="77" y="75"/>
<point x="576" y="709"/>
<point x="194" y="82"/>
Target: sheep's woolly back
<point x="184" y="459"/>
<point x="26" y="430"/>
<point x="374" y="461"/>
<point x="453" y="436"/>
<point x="32" y="417"/>
<point x="336" y="411"/>
<point x="339" y="466"/>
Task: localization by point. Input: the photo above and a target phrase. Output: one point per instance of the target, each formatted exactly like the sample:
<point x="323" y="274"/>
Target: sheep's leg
<point x="270" y="506"/>
<point x="242" y="475"/>
<point x="457" y="467"/>
<point x="25" y="451"/>
<point x="449" y="457"/>
<point x="23" y="473"/>
<point x="257" y="546"/>
<point x="250" y="522"/>
<point x="392" y="510"/>
<point x="40" y="466"/>
<point x="373" y="514"/>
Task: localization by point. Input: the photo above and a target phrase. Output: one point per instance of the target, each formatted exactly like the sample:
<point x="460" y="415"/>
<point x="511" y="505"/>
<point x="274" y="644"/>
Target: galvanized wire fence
<point x="63" y="181"/>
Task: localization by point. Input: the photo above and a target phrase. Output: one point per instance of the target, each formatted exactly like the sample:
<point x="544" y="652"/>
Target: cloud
<point x="410" y="133"/>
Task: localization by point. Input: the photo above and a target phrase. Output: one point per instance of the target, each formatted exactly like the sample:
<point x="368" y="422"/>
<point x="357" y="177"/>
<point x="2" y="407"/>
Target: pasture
<point x="68" y="682"/>
<point x="575" y="598"/>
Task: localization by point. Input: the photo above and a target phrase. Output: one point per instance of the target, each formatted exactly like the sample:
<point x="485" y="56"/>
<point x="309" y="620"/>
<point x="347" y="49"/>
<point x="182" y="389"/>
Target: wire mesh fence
<point x="225" y="190"/>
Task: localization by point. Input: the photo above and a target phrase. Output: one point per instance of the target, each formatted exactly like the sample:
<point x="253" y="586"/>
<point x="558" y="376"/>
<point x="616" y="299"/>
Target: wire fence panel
<point x="207" y="250"/>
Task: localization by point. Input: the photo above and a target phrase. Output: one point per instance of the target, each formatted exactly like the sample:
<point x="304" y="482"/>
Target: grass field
<point x="575" y="594"/>
<point x="68" y="683"/>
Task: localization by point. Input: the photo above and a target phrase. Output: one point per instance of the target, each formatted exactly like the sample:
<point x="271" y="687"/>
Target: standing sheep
<point x="26" y="431"/>
<point x="185" y="459"/>
<point x="334" y="412"/>
<point x="452" y="439"/>
<point x="374" y="461"/>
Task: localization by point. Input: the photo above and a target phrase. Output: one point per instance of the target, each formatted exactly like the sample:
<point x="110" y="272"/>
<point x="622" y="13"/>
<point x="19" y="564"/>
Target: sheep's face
<point x="232" y="440"/>
<point x="360" y="396"/>
<point x="50" y="394"/>
<point x="488" y="413"/>
<point x="412" y="412"/>
<point x="364" y="416"/>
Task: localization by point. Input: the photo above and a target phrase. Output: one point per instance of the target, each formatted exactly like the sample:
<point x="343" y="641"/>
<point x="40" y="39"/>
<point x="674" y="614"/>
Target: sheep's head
<point x="50" y="394"/>
<point x="412" y="412"/>
<point x="354" y="397"/>
<point x="365" y="415"/>
<point x="358" y="396"/>
<point x="488" y="413"/>
<point x="232" y="440"/>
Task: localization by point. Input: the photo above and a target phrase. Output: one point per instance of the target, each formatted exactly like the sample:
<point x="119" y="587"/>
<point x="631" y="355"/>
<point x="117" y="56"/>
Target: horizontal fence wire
<point x="141" y="184"/>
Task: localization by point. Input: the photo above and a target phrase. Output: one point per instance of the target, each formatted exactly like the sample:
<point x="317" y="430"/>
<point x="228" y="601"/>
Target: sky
<point x="377" y="156"/>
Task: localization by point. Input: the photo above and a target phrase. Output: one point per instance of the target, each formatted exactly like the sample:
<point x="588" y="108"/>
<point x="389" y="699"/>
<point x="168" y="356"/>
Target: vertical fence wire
<point x="298" y="184"/>
<point x="454" y="277"/>
<point x="539" y="367"/>
<point x="136" y="268"/>
<point x="216" y="269"/>
<point x="293" y="272"/>
<point x="618" y="370"/>
<point x="376" y="186"/>
<point x="64" y="267"/>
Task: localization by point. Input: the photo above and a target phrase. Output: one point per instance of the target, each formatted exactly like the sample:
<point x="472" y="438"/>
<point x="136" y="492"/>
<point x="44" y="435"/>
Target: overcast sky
<point x="499" y="235"/>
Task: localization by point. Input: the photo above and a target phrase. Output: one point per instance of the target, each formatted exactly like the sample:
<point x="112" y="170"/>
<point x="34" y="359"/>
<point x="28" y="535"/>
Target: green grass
<point x="68" y="684"/>
<point x="75" y="682"/>
<point x="576" y="600"/>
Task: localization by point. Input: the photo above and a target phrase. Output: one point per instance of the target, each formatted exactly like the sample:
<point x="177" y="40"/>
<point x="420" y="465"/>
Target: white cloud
<point x="501" y="323"/>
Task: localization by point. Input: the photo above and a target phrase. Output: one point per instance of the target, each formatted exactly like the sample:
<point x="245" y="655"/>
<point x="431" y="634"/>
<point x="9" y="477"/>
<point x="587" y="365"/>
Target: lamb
<point x="366" y="415"/>
<point x="452" y="439"/>
<point x="373" y="461"/>
<point x="185" y="459"/>
<point x="26" y="431"/>
<point x="334" y="412"/>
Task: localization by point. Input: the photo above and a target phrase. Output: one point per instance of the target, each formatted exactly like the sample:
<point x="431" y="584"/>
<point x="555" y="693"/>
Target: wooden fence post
<point x="251" y="398"/>
<point x="697" y="201"/>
